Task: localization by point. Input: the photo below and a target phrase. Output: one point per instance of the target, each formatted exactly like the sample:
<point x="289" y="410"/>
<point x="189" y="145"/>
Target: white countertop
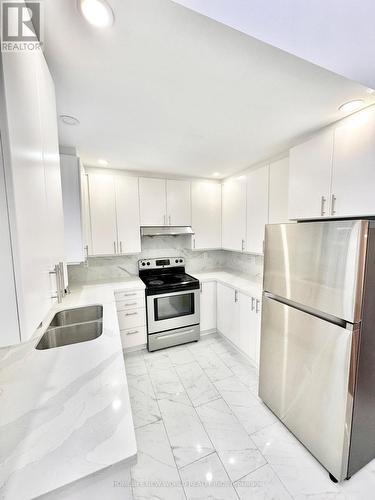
<point x="249" y="285"/>
<point x="65" y="412"/>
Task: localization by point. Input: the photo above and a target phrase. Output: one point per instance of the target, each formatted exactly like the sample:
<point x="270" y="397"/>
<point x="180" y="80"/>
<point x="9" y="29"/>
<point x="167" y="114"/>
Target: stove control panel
<point x="161" y="263"/>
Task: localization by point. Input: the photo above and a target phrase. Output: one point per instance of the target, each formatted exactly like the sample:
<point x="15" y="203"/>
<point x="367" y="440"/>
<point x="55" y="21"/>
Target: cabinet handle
<point x="242" y="245"/>
<point x="120" y="246"/>
<point x="131" y="314"/>
<point x="169" y="219"/>
<point x="164" y="220"/>
<point x="236" y="296"/>
<point x="194" y="243"/>
<point x="252" y="303"/>
<point x="131" y="304"/>
<point x="86" y="248"/>
<point x="114" y="247"/>
<point x="257" y="306"/>
<point x="129" y="294"/>
<point x="333" y="202"/>
<point x="322" y="205"/>
<point x="201" y="287"/>
<point x="132" y="332"/>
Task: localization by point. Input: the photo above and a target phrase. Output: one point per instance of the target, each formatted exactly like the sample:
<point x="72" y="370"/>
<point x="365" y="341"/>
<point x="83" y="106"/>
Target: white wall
<point x="338" y="35"/>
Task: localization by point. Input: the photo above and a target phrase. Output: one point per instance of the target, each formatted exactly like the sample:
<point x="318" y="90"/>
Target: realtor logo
<point x="21" y="26"/>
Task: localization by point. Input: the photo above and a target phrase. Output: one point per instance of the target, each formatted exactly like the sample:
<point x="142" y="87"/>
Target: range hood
<point x="165" y="230"/>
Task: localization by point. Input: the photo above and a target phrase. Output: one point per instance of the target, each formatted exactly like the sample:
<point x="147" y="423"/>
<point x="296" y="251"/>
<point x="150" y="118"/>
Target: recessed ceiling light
<point x="349" y="106"/>
<point x="216" y="174"/>
<point x="370" y="91"/>
<point x="102" y="162"/>
<point x="69" y="120"/>
<point x="97" y="12"/>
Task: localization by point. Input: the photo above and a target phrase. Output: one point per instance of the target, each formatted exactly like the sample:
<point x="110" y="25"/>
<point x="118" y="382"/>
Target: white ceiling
<point x="169" y="90"/>
<point x="337" y="35"/>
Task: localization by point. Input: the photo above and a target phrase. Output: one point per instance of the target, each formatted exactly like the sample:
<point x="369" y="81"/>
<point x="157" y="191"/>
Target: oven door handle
<point x="167" y="335"/>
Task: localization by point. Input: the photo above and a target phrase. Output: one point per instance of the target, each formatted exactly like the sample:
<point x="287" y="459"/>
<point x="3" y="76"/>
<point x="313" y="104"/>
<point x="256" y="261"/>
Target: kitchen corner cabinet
<point x="234" y="214"/>
<point x="114" y="214"/>
<point x="310" y="166"/>
<point x="164" y="202"/>
<point x="239" y="320"/>
<point x="257" y="208"/>
<point x="208" y="306"/>
<point x="278" y="191"/>
<point x="206" y="214"/>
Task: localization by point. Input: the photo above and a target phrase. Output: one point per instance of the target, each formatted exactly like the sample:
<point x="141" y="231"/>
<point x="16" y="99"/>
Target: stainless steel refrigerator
<point x="317" y="359"/>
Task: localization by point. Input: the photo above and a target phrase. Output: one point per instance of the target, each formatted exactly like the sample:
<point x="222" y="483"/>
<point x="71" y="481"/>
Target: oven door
<point x="168" y="311"/>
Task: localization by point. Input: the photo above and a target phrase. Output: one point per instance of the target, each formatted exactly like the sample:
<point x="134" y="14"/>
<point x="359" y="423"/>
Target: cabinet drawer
<point x="131" y="318"/>
<point x="129" y="295"/>
<point x="134" y="337"/>
<point x="130" y="303"/>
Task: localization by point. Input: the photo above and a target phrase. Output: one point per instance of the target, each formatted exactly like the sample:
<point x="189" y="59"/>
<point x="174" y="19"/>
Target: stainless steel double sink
<point x="73" y="326"/>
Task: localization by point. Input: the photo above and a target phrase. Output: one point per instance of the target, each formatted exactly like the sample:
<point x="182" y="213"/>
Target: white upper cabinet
<point x="103" y="214"/>
<point x="310" y="166"/>
<point x="73" y="218"/>
<point x="353" y="179"/>
<point x="206" y="214"/>
<point x="278" y="192"/>
<point x="234" y="214"/>
<point x="153" y="201"/>
<point x="178" y="203"/>
<point x="257" y="208"/>
<point x="127" y="209"/>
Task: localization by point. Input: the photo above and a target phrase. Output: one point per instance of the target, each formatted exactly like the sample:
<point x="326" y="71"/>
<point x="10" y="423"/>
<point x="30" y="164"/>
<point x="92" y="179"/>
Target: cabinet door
<point x="103" y="214"/>
<point x="257" y="209"/>
<point x="27" y="198"/>
<point x="227" y="312"/>
<point x="278" y="192"/>
<point x="127" y="209"/>
<point x="152" y="199"/>
<point x="208" y="306"/>
<point x="353" y="177"/>
<point x="206" y="214"/>
<point x="246" y="318"/>
<point x="256" y="325"/>
<point x="71" y="190"/>
<point x="234" y="214"/>
<point x="310" y="167"/>
<point x="178" y="203"/>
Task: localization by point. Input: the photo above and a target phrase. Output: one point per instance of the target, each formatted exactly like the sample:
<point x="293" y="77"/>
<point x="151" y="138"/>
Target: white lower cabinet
<point x="238" y="319"/>
<point x="131" y="313"/>
<point x="208" y="306"/>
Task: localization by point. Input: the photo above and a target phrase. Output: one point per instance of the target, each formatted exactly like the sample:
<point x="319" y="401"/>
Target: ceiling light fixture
<point x="102" y="162"/>
<point x="370" y="91"/>
<point x="350" y="106"/>
<point x="97" y="12"/>
<point x="216" y="174"/>
<point x="69" y="120"/>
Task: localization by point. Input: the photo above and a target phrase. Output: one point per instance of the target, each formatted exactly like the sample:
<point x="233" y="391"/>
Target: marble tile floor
<point x="203" y="433"/>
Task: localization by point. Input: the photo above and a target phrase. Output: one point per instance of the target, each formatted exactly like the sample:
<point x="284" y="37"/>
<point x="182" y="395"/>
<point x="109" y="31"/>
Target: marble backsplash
<point x="125" y="266"/>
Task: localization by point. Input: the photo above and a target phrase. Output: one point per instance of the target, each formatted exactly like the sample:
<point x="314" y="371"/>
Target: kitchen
<point x="180" y="201"/>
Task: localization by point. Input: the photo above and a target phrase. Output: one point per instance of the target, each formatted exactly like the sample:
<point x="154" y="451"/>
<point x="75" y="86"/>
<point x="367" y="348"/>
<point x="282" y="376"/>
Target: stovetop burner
<point x="165" y="275"/>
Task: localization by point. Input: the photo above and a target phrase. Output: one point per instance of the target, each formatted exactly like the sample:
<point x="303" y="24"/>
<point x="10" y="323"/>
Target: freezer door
<point x="318" y="264"/>
<point x="306" y="380"/>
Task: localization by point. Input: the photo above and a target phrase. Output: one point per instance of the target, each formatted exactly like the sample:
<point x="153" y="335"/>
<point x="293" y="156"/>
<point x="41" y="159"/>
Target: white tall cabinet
<point x="257" y="208"/>
<point x="32" y="170"/>
<point x="234" y="213"/>
<point x="206" y="214"/>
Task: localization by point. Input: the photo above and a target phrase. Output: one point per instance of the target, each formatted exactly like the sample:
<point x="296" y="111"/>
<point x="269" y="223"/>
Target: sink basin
<point x="78" y="315"/>
<point x="72" y="334"/>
